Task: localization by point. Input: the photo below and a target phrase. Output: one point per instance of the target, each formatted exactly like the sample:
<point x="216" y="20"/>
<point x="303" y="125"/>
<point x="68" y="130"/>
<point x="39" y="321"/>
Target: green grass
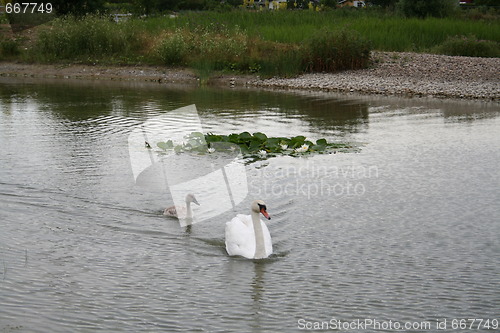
<point x="468" y="46"/>
<point x="87" y="39"/>
<point x="9" y="49"/>
<point x="330" y="51"/>
<point x="270" y="43"/>
<point x="387" y="32"/>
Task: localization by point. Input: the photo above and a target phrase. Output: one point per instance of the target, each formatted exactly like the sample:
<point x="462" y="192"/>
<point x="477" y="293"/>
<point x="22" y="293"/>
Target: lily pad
<point x="254" y="147"/>
<point x="260" y="136"/>
<point x="321" y="142"/>
<point x="165" y="145"/>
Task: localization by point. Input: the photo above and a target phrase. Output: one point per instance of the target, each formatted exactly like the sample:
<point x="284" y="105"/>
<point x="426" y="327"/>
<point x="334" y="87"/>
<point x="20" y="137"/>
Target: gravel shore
<point x="392" y="73"/>
<point x="408" y="74"/>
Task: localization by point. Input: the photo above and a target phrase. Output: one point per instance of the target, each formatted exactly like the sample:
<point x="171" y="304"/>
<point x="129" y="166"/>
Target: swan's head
<point x="191" y="198"/>
<point x="258" y="206"/>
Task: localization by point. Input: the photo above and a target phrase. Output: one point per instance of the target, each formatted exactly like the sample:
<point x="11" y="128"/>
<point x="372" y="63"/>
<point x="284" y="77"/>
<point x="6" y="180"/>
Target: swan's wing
<point x="240" y="237"/>
<point x="170" y="211"/>
<point x="175" y="211"/>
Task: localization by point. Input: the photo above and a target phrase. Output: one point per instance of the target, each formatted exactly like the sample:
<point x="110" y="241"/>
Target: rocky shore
<point x="408" y="74"/>
<point x="392" y="73"/>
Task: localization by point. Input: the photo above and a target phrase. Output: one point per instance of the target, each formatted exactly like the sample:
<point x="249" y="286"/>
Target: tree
<point x="158" y="6"/>
<point x="329" y="3"/>
<point x="487" y="2"/>
<point x="384" y="3"/>
<point x="425" y="8"/>
<point x="77" y="7"/>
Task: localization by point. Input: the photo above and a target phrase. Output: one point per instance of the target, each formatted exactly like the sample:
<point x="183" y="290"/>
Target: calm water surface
<point x="406" y="230"/>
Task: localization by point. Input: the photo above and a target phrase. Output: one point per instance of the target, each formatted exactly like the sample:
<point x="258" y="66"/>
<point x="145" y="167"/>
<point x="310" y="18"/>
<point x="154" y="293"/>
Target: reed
<point x="387" y="32"/>
<point x="468" y="46"/>
<point x="271" y="43"/>
<point x="91" y="37"/>
<point x="9" y="49"/>
<point x="333" y="51"/>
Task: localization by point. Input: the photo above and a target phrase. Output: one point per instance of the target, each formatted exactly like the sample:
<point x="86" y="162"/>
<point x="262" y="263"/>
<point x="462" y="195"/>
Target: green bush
<point x="281" y="63"/>
<point x="469" y="46"/>
<point x="90" y="36"/>
<point x="425" y="8"/>
<point x="215" y="48"/>
<point x="219" y="44"/>
<point x="8" y="48"/>
<point x="173" y="49"/>
<point x="330" y="51"/>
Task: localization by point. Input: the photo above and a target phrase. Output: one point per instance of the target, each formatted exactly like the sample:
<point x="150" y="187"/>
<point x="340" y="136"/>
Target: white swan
<point x="248" y="236"/>
<point x="182" y="212"/>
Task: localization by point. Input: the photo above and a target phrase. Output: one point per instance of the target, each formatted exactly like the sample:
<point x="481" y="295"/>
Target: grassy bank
<point x="386" y="32"/>
<point x="270" y="43"/>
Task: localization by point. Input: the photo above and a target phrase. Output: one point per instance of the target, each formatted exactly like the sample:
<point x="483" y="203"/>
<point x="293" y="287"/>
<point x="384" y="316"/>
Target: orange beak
<point x="266" y="215"/>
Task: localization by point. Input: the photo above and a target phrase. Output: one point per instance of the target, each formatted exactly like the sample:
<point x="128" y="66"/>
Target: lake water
<point x="402" y="234"/>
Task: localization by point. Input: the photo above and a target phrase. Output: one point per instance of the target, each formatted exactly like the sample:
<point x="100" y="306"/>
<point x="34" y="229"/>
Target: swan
<point x="182" y="212"/>
<point x="248" y="236"/>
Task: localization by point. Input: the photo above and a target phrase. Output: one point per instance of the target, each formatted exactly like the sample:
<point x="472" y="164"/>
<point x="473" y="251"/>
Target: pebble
<point x="408" y="74"/>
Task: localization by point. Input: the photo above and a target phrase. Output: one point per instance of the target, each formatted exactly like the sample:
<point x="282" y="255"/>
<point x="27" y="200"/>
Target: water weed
<point x="256" y="146"/>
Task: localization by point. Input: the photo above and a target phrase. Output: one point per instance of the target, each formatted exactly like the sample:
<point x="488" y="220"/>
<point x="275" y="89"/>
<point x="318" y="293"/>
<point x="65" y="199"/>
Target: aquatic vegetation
<point x="302" y="149"/>
<point x="256" y="146"/>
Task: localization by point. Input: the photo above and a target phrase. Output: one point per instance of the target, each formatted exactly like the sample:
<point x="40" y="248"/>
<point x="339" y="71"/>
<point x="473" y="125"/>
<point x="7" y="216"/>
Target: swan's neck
<point x="189" y="213"/>
<point x="260" y="249"/>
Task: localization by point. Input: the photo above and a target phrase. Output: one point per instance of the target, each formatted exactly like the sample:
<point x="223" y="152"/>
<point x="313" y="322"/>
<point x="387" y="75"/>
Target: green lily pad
<point x="253" y="146"/>
<point x="321" y="142"/>
<point x="260" y="136"/>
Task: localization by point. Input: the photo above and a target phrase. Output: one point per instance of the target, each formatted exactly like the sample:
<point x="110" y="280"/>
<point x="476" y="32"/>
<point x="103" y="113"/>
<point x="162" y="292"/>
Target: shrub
<point x="78" y="7"/>
<point x="90" y="36"/>
<point x="281" y="63"/>
<point x="333" y="51"/>
<point x="469" y="46"/>
<point x="425" y="8"/>
<point x="221" y="46"/>
<point x="8" y="48"/>
<point x="216" y="48"/>
<point x="173" y="49"/>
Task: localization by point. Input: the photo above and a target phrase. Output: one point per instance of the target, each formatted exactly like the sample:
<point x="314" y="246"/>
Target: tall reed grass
<point x="8" y="49"/>
<point x="468" y="46"/>
<point x="332" y="51"/>
<point x="268" y="42"/>
<point x="91" y="37"/>
<point x="387" y="32"/>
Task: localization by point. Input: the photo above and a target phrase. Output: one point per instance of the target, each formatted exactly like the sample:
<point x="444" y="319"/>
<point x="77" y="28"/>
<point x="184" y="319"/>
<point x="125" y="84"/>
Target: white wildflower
<point x="262" y="153"/>
<point x="211" y="150"/>
<point x="284" y="147"/>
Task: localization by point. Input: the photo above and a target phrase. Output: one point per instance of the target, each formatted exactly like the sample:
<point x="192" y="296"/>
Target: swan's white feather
<point x="240" y="237"/>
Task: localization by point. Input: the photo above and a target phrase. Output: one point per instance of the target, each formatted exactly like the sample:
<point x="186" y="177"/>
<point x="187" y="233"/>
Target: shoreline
<point x="401" y="74"/>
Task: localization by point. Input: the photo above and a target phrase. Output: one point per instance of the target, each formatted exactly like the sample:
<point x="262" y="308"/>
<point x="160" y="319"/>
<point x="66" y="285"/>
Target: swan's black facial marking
<point x="263" y="210"/>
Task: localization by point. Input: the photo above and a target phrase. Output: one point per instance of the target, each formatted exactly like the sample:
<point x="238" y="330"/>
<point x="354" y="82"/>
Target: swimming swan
<point x="248" y="236"/>
<point x="182" y="212"/>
